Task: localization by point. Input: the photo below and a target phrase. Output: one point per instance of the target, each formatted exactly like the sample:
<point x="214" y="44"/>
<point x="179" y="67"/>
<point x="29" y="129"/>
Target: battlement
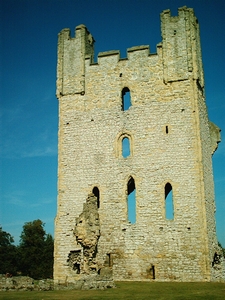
<point x="80" y="31"/>
<point x="71" y="57"/>
<point x="129" y="50"/>
<point x="144" y="48"/>
<point x="179" y="53"/>
<point x="182" y="11"/>
<point x="181" y="46"/>
<point x="114" y="55"/>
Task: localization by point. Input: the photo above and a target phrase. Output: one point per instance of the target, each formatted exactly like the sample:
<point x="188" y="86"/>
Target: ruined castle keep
<point x="135" y="126"/>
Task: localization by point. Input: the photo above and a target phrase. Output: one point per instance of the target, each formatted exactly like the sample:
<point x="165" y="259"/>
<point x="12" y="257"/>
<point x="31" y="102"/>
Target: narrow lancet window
<point x="95" y="191"/>
<point x="169" y="209"/>
<point x="125" y="147"/>
<point x="126" y="101"/>
<point x="167" y="130"/>
<point x="131" y="201"/>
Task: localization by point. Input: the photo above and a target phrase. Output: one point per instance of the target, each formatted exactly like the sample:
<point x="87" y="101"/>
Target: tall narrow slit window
<point x="131" y="201"/>
<point x="169" y="208"/>
<point x="126" y="100"/>
<point x="125" y="147"/>
<point x="96" y="192"/>
<point x="167" y="129"/>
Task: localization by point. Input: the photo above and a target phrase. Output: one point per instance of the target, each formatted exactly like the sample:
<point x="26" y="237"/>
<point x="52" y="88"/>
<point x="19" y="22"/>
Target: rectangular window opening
<point x="110" y="261"/>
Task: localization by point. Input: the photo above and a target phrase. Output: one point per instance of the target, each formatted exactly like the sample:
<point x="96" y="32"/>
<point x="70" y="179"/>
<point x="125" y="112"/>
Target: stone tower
<point x="157" y="148"/>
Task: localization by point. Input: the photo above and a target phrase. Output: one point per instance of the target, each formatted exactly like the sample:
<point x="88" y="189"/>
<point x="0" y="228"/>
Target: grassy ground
<point x="131" y="291"/>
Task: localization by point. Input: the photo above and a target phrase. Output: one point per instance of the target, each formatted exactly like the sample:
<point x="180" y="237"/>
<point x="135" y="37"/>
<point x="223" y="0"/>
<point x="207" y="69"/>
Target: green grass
<point x="131" y="291"/>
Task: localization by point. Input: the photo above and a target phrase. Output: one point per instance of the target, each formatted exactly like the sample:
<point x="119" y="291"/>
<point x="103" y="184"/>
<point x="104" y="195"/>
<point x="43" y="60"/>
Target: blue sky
<point x="29" y="108"/>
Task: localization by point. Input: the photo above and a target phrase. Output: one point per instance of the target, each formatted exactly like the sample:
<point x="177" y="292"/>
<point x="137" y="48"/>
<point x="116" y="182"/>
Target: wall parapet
<point x="109" y="53"/>
<point x="138" y="48"/>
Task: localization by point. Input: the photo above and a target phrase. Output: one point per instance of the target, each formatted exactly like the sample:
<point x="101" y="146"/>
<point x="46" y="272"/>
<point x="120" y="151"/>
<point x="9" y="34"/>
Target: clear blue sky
<point x="29" y="108"/>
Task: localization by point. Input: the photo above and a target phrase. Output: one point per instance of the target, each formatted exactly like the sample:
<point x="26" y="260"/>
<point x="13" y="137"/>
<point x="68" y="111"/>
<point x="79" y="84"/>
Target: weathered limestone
<point x="171" y="142"/>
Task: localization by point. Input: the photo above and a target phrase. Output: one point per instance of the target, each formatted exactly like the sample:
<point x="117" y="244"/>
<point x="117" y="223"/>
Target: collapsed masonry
<point x="24" y="283"/>
<point x="87" y="232"/>
<point x="83" y="261"/>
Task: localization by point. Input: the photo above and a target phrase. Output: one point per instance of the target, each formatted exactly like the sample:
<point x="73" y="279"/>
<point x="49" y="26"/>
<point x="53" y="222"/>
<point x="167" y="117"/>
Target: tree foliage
<point x="36" y="251"/>
<point x="8" y="253"/>
<point x="34" y="254"/>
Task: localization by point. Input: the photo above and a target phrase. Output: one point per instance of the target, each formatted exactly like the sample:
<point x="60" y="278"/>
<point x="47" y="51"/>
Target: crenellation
<point x="171" y="142"/>
<point x="109" y="53"/>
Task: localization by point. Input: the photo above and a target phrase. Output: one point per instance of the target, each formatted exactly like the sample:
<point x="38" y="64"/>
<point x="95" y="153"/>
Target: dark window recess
<point x="126" y="99"/>
<point x="74" y="259"/>
<point x="167" y="130"/>
<point x="131" y="201"/>
<point x="216" y="259"/>
<point x="151" y="272"/>
<point x="110" y="261"/>
<point x="96" y="192"/>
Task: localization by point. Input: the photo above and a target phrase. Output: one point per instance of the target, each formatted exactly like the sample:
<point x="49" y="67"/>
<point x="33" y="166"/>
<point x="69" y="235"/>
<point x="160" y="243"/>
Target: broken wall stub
<point x="87" y="233"/>
<point x="83" y="261"/>
<point x="171" y="142"/>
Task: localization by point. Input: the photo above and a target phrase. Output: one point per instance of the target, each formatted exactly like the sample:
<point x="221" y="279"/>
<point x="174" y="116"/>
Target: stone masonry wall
<point x="168" y="129"/>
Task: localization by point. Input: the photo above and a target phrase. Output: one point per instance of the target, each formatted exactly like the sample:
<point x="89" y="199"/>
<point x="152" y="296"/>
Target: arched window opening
<point x="125" y="147"/>
<point x="131" y="201"/>
<point x="169" y="209"/>
<point x="124" y="144"/>
<point x="96" y="192"/>
<point x="126" y="101"/>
